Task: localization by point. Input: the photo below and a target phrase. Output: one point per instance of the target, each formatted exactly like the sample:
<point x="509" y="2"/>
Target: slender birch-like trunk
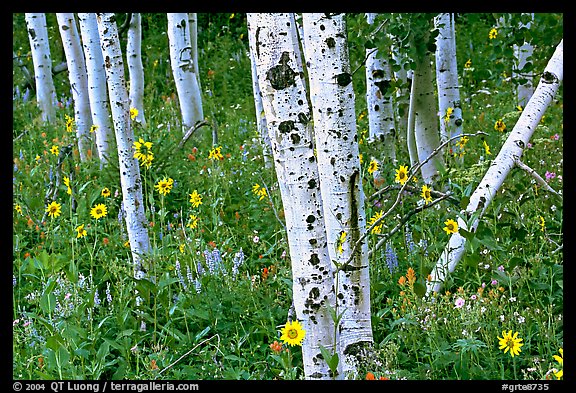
<point x="130" y="180"/>
<point x="189" y="94"/>
<point x="135" y="67"/>
<point x="506" y="159"/>
<point x="332" y="97"/>
<point x="280" y="76"/>
<point x="381" y="124"/>
<point x="450" y="108"/>
<point x="261" y="125"/>
<point x="97" y="89"/>
<point x="523" y="53"/>
<point x="410" y="136"/>
<point x="401" y="102"/>
<point x="193" y="21"/>
<point x="423" y="106"/>
<point x="40" y="48"/>
<point x="78" y="80"/>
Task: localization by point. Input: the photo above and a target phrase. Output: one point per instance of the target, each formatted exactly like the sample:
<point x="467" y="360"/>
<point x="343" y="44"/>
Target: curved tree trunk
<point x="506" y="159"/>
<point x="193" y="20"/>
<point x="447" y="78"/>
<point x="280" y="76"/>
<point x="189" y="95"/>
<point x="97" y="90"/>
<point x="523" y="53"/>
<point x="78" y="80"/>
<point x="424" y="108"/>
<point x="381" y="124"/>
<point x="39" y="45"/>
<point x="332" y="98"/>
<point x="130" y="180"/>
<point x="261" y="125"/>
<point x="135" y="67"/>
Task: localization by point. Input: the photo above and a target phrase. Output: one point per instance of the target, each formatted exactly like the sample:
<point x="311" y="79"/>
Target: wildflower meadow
<point x="220" y="306"/>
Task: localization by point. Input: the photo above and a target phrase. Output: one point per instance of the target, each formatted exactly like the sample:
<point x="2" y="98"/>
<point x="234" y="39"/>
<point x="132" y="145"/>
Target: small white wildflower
<point x="521" y="319"/>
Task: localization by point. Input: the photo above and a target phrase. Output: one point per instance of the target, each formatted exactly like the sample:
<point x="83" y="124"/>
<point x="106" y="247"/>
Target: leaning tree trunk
<point x="424" y="108"/>
<point x="280" y="76"/>
<point x="506" y="159"/>
<point x="522" y="54"/>
<point x="135" y="67"/>
<point x="381" y="124"/>
<point x="78" y="80"/>
<point x="97" y="90"/>
<point x="185" y="78"/>
<point x="40" y="47"/>
<point x="193" y="21"/>
<point x="403" y="78"/>
<point x="332" y="98"/>
<point x="450" y="109"/>
<point x="261" y="125"/>
<point x="130" y="180"/>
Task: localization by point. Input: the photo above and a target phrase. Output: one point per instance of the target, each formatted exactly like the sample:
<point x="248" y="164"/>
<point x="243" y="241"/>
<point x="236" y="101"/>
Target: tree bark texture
<point x="503" y="163"/>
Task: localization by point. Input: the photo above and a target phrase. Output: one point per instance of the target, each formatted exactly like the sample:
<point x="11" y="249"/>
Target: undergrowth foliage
<point x="221" y="291"/>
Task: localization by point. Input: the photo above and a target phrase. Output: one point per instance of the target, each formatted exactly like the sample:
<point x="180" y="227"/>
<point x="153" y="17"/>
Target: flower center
<point x="292" y="333"/>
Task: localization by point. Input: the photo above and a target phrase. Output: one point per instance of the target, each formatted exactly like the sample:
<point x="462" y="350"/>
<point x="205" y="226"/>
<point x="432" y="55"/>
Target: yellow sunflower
<point x="401" y="174"/>
<point x="99" y="211"/>
<point x="195" y="199"/>
<point x="293" y="333"/>
<point x="426" y="194"/>
<point x="54" y="209"/>
<point x="509" y="342"/>
<point x="451" y="226"/>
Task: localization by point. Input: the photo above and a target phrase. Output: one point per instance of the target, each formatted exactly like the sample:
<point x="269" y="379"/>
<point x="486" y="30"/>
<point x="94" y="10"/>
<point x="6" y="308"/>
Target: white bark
<point x="280" y="77"/>
<point x="135" y="67"/>
<point x="503" y="163"/>
<point x="78" y="80"/>
<point x="189" y="95"/>
<point x="193" y="20"/>
<point x="97" y="90"/>
<point x="410" y="121"/>
<point x="401" y="101"/>
<point x="423" y="106"/>
<point x="447" y="78"/>
<point x="523" y="53"/>
<point x="332" y="98"/>
<point x="261" y="125"/>
<point x="130" y="180"/>
<point x="381" y="124"/>
<point x="40" y="48"/>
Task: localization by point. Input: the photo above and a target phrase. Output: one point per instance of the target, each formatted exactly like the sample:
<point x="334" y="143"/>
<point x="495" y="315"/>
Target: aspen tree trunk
<point x="261" y="125"/>
<point x="447" y="78"/>
<point x="401" y="102"/>
<point x="40" y="48"/>
<point x="135" y="67"/>
<point x="381" y="124"/>
<point x="130" y="180"/>
<point x="97" y="89"/>
<point x="423" y="105"/>
<point x="506" y="159"/>
<point x="332" y="97"/>
<point x="280" y="76"/>
<point x="410" y="136"/>
<point x="189" y="95"/>
<point x="193" y="21"/>
<point x="523" y="53"/>
<point x="78" y="80"/>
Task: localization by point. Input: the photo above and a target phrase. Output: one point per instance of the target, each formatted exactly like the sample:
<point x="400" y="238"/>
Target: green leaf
<point x="419" y="289"/>
<point x="202" y="333"/>
<point x="331" y="360"/>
